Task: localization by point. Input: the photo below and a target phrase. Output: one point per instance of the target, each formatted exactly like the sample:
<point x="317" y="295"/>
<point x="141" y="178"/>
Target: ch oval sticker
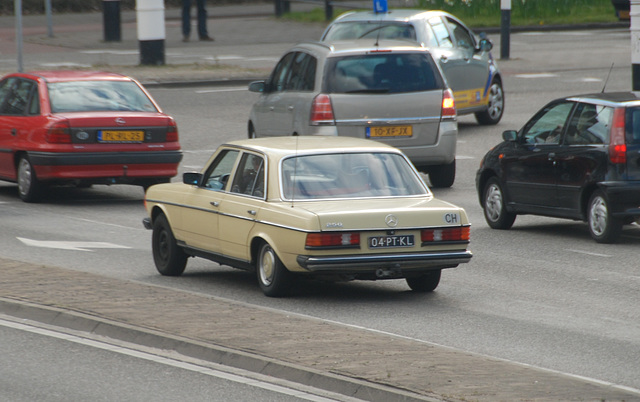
<point x="452" y="218"/>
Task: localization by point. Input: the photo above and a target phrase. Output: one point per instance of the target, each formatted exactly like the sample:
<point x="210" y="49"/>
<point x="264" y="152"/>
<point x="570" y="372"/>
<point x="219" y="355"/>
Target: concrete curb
<point x="77" y="321"/>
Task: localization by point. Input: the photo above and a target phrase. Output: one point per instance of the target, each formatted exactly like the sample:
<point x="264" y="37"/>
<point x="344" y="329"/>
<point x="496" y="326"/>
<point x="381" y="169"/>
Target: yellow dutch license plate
<point x="389" y="131"/>
<point x="120" y="136"/>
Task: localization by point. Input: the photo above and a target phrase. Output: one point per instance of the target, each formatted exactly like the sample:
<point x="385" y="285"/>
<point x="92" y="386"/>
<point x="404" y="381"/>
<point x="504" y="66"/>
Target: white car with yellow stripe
<point x="465" y="58"/>
<point x="313" y="206"/>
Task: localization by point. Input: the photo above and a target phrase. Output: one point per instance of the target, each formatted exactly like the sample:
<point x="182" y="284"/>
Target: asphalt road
<point x="542" y="293"/>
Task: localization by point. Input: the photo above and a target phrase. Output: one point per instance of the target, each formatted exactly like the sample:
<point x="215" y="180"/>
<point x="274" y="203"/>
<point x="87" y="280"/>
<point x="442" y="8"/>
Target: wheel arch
<point x="587" y="192"/>
<point x="482" y="183"/>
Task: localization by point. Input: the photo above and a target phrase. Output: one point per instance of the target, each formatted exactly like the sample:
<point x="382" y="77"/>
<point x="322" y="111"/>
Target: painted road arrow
<point x="70" y="245"/>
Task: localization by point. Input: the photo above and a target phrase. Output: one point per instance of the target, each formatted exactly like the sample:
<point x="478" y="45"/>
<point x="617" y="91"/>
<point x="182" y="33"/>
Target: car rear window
<point x="371" y="29"/>
<point x="94" y="96"/>
<point x="633" y="126"/>
<point x="382" y="72"/>
<point x="349" y="175"/>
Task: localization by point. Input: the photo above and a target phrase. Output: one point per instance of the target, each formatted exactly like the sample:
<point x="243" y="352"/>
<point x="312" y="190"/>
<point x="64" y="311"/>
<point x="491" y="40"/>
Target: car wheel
<point x="603" y="227"/>
<point x="252" y="131"/>
<point x="494" y="205"/>
<point x="169" y="258"/>
<point x="274" y="279"/>
<point x="495" y="109"/>
<point x="425" y="283"/>
<point x="29" y="188"/>
<point x="443" y="176"/>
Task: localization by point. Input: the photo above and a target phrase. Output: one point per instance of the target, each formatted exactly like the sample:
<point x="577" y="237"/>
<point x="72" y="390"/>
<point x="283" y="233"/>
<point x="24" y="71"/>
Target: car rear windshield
<point x="371" y="29"/>
<point x="349" y="175"/>
<point x="95" y="96"/>
<point x="633" y="126"/>
<point x="382" y="72"/>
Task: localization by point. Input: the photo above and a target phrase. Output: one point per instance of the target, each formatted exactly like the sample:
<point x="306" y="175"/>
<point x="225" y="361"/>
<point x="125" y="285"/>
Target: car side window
<point x="547" y="126"/>
<point x="218" y="173"/>
<point x="15" y="96"/>
<point x="464" y="38"/>
<point x="249" y="178"/>
<point x="303" y="73"/>
<point x="590" y="124"/>
<point x="281" y="73"/>
<point x="441" y="32"/>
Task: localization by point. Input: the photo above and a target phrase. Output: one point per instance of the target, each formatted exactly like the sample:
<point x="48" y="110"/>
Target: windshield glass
<point x="349" y="175"/>
<point x="94" y="96"/>
<point x="371" y="29"/>
<point x="382" y="72"/>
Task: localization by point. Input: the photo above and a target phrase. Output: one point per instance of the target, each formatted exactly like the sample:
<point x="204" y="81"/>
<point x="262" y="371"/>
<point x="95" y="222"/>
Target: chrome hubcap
<point x="24" y="177"/>
<point x="267" y="266"/>
<point x="493" y="203"/>
<point x="598" y="216"/>
<point x="496" y="101"/>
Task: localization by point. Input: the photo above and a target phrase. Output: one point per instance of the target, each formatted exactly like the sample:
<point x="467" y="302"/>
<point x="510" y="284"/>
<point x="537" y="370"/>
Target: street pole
<point x="47" y="9"/>
<point x="151" y="31"/>
<point x="18" y="13"/>
<point x="634" y="14"/>
<point x="505" y="28"/>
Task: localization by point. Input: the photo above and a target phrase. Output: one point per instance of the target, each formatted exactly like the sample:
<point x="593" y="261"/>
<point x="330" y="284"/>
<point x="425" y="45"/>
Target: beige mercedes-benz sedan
<point x="332" y="207"/>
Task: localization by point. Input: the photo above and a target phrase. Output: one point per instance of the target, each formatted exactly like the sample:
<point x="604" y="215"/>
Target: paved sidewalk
<point x="351" y="361"/>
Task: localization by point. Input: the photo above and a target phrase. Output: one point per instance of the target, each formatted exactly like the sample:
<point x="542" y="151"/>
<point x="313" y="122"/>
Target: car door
<point x="240" y="209"/>
<point x="530" y="171"/>
<point x="271" y="107"/>
<point x="199" y="223"/>
<point x="582" y="158"/>
<point x="19" y="117"/>
<point x="467" y="71"/>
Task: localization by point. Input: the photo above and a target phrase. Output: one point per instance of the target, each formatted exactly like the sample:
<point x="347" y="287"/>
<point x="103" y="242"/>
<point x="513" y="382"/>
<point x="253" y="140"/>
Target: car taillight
<point x="617" y="144"/>
<point x="172" y="131"/>
<point x="333" y="239"/>
<point x="448" y="104"/>
<point x="457" y="234"/>
<point x="59" y="133"/>
<point x="322" y="111"/>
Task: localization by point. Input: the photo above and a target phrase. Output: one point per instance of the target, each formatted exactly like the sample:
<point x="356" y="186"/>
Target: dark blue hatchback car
<point x="577" y="158"/>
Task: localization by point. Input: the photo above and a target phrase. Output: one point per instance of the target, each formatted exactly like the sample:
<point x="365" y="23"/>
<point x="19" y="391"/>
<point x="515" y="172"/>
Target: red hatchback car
<point x="82" y="128"/>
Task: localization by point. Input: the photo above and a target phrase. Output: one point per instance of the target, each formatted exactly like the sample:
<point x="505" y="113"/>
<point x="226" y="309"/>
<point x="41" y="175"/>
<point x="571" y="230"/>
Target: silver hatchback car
<point x="465" y="58"/>
<point x="392" y="92"/>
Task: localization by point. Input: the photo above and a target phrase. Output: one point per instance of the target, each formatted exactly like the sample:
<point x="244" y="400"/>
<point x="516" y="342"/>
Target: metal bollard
<point x="111" y="20"/>
<point x="151" y="31"/>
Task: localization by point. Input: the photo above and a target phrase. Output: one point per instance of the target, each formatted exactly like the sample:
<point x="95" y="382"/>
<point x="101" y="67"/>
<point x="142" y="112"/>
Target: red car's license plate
<point x="391" y="241"/>
<point x="120" y="136"/>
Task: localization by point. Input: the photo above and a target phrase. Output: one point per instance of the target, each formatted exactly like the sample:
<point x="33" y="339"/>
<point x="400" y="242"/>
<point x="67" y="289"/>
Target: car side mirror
<point x="192" y="178"/>
<point x="257" y="86"/>
<point x="510" y="135"/>
<point x="485" y="45"/>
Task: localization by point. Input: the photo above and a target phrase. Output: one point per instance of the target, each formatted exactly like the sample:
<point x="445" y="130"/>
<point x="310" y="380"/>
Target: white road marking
<point x="234" y="89"/>
<point x="590" y="253"/>
<point x="536" y="75"/>
<point x="69" y="245"/>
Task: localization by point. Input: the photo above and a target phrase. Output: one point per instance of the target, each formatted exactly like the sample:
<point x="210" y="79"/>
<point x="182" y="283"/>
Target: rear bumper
<point x="359" y="264"/>
<point x="86" y="165"/>
<point x="624" y="197"/>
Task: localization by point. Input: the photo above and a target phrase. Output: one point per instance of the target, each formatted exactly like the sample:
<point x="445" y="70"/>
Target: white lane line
<point x="536" y="75"/>
<point x="590" y="253"/>
<point x="69" y="245"/>
<point x="168" y="362"/>
<point x="234" y="89"/>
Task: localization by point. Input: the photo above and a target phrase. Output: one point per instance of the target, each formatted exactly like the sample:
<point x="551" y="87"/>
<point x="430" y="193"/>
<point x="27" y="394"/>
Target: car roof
<point x="291" y="145"/>
<point x="73" y="75"/>
<point x="608" y="97"/>
<point x="391" y="15"/>
<point x="354" y="46"/>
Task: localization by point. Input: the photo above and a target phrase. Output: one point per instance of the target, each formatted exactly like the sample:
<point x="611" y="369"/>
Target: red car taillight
<point x="172" y="131"/>
<point x="448" y="104"/>
<point x="333" y="239"/>
<point x="617" y="144"/>
<point x="457" y="234"/>
<point x="59" y="133"/>
<point x="322" y="111"/>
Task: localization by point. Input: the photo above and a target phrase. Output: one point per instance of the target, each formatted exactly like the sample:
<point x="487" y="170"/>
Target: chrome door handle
<point x="215" y="203"/>
<point x="251" y="212"/>
<point x="290" y="107"/>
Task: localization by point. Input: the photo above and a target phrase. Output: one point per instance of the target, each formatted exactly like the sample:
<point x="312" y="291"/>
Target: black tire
<point x="252" y="131"/>
<point x="603" y="227"/>
<point x="274" y="279"/>
<point x="170" y="259"/>
<point x="494" y="206"/>
<point x="29" y="187"/>
<point x="495" y="109"/>
<point x="427" y="282"/>
<point x="443" y="176"/>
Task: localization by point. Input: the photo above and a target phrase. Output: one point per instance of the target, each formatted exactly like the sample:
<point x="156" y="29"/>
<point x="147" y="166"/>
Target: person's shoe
<point x="206" y="39"/>
<point x="185" y="38"/>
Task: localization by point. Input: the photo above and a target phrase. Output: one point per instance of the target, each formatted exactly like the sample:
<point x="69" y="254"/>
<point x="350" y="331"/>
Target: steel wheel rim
<point x="163" y="245"/>
<point x="24" y="177"/>
<point x="496" y="101"/>
<point x="493" y="203"/>
<point x="267" y="266"/>
<point x="598" y="221"/>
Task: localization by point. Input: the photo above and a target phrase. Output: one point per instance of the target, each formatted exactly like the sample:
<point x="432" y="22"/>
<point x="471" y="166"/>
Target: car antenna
<point x="607" y="80"/>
